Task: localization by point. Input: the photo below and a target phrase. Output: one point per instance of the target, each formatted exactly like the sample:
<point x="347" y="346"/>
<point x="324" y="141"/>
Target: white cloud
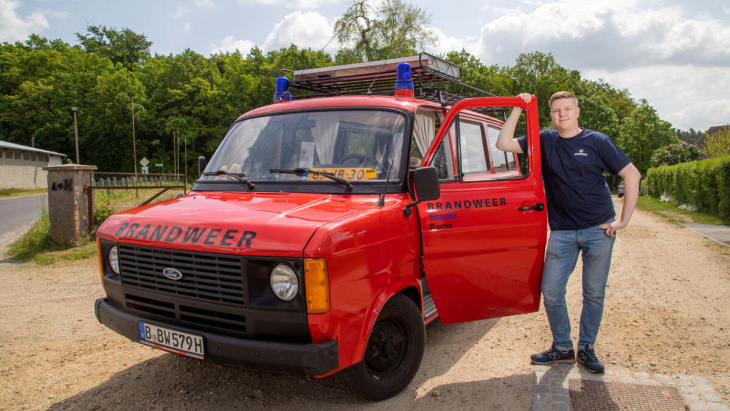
<point x="180" y="12"/>
<point x="60" y="14"/>
<point x="14" y="28"/>
<point x="607" y="34"/>
<point x="686" y="96"/>
<point x="306" y="30"/>
<point x="676" y="59"/>
<point x="230" y="45"/>
<point x="205" y="4"/>
<point x="444" y="43"/>
<point x="298" y="4"/>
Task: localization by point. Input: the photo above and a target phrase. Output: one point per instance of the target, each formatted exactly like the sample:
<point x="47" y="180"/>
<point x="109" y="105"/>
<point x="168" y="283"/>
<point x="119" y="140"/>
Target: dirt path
<point x="667" y="312"/>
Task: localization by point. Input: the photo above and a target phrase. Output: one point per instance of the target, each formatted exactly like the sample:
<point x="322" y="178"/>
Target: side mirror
<point x="425" y="187"/>
<point x="201" y="165"/>
<point x="426" y="182"/>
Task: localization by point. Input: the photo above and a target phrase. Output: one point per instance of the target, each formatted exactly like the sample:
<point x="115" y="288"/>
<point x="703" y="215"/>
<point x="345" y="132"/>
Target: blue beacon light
<point x="282" y="90"/>
<point x="403" y="80"/>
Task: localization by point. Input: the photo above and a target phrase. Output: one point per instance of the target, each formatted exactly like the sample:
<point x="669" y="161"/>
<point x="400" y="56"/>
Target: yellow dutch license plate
<point x="348" y="173"/>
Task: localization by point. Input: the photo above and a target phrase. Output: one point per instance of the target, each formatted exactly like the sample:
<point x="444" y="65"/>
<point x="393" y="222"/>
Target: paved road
<point x="719" y="233"/>
<point x="17" y="214"/>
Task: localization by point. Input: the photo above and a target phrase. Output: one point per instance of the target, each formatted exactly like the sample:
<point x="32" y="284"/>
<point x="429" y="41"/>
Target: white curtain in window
<point x="424" y="129"/>
<point x="325" y="134"/>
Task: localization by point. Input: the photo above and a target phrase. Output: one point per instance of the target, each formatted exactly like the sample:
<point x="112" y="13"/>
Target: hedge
<point x="704" y="185"/>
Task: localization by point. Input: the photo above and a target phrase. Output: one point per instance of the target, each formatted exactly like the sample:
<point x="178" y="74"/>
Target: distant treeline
<point x="197" y="98"/>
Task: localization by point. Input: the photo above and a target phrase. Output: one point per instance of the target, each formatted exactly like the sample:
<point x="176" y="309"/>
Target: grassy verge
<point x="36" y="245"/>
<point x="675" y="214"/>
<point x="14" y="193"/>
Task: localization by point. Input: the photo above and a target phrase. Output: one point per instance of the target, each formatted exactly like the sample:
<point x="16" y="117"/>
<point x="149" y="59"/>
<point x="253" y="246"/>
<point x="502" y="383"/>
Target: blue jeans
<point x="562" y="255"/>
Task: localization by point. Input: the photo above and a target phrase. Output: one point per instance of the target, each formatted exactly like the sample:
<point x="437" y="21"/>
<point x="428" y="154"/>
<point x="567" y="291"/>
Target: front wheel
<point x="393" y="353"/>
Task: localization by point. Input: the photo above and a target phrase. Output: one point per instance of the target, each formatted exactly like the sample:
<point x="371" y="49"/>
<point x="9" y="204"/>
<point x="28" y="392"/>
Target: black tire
<point x="393" y="353"/>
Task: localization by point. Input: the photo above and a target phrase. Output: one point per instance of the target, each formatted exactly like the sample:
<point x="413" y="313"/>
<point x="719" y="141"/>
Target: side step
<point x="429" y="308"/>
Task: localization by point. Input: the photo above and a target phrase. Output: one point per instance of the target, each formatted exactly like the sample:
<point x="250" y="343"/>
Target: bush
<point x="704" y="185"/>
<point x="675" y="154"/>
<point x="102" y="211"/>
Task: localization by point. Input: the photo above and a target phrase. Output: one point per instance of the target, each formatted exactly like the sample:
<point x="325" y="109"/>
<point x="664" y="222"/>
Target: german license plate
<point x="174" y="341"/>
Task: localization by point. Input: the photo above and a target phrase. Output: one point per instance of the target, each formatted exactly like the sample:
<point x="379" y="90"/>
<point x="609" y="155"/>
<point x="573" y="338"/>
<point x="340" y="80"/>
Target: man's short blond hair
<point x="563" y="94"/>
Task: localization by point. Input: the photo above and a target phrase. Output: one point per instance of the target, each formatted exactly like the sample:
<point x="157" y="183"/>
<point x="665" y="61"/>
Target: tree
<point x="392" y="28"/>
<point x="596" y="114"/>
<point x="120" y="46"/>
<point x="717" y="144"/>
<point x="643" y="132"/>
<point x="491" y="79"/>
<point x="538" y="73"/>
<point x="691" y="136"/>
<point x="674" y="154"/>
<point x="619" y="101"/>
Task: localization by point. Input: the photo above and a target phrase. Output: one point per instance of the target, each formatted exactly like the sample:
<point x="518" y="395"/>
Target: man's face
<point x="564" y="112"/>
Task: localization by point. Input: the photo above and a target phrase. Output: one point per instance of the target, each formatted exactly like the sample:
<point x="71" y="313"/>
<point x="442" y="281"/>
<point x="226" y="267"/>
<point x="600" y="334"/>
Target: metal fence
<point x="114" y="192"/>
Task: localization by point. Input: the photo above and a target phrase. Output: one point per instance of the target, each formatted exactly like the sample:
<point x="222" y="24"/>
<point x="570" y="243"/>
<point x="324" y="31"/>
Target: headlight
<point x="284" y="282"/>
<point x="114" y="259"/>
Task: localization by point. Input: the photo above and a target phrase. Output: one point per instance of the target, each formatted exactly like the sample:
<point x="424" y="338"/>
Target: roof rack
<point x="430" y="75"/>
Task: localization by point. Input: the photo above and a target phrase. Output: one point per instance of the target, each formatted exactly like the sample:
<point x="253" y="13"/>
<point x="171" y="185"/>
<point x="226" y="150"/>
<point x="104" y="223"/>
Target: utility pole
<point x="134" y="141"/>
<point x="185" y="162"/>
<point x="76" y="134"/>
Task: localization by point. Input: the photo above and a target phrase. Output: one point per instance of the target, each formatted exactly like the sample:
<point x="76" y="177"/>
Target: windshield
<point x="356" y="145"/>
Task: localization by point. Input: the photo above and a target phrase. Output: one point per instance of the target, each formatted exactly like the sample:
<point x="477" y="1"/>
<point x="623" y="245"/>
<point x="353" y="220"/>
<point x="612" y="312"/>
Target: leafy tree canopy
<point x="377" y="30"/>
<point x="120" y="46"/>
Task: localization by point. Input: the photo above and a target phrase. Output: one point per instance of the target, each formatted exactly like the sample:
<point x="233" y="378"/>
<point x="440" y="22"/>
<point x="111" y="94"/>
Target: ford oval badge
<point x="172" y="274"/>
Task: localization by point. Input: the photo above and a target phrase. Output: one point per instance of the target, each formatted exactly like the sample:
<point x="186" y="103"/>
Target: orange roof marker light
<point x="403" y="81"/>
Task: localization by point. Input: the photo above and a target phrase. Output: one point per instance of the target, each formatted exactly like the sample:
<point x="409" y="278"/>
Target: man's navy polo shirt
<point x="572" y="170"/>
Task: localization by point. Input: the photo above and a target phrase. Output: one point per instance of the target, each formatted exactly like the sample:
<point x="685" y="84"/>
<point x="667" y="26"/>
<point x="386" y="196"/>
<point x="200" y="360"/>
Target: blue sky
<point x="675" y="54"/>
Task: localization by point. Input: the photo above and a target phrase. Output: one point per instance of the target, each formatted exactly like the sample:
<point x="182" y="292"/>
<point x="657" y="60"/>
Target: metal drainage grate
<point x="587" y="395"/>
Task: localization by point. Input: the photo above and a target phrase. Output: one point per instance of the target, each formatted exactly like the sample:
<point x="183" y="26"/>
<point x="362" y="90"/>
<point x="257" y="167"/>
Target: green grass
<point x="36" y="245"/>
<point x="676" y="214"/>
<point x="13" y="192"/>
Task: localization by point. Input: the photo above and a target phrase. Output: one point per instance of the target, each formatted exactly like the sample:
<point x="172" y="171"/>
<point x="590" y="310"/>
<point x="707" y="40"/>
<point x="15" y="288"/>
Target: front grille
<point x="205" y="276"/>
<point x="187" y="314"/>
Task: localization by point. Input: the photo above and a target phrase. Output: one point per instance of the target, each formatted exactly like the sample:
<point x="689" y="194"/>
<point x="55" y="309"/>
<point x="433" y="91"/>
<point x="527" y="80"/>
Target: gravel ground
<point x="666" y="313"/>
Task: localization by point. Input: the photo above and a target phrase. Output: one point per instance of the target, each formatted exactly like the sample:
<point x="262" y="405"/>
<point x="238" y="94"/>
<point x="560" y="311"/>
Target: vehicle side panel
<point x="369" y="259"/>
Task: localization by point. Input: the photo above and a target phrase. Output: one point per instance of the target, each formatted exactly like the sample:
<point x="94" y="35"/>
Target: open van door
<point x="484" y="238"/>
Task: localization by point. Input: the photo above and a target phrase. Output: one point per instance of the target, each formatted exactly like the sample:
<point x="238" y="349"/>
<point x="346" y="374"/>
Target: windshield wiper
<point x="238" y="176"/>
<point x="302" y="171"/>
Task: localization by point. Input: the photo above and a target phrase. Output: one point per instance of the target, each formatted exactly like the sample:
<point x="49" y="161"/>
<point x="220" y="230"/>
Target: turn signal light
<point x="317" y="284"/>
<point x="98" y="256"/>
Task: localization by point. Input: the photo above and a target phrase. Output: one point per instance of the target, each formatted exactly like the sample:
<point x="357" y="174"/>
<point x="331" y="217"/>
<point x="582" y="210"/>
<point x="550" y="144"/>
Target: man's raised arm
<point x="506" y="140"/>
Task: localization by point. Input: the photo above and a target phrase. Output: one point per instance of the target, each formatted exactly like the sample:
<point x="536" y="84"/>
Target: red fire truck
<point x="330" y="227"/>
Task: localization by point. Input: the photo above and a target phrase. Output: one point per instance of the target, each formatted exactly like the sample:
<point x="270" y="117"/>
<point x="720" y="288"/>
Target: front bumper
<point x="275" y="357"/>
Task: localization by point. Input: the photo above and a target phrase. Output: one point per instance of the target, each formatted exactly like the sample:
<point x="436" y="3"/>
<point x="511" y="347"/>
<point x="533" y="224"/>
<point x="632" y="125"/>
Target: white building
<point x="21" y="167"/>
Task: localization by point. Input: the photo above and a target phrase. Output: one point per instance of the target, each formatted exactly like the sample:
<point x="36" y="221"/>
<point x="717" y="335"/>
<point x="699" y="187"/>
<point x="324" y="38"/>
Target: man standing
<point x="581" y="218"/>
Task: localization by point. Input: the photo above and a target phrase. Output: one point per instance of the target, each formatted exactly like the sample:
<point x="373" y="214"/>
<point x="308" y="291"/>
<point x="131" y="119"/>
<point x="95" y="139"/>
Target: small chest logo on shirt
<point x="581" y="153"/>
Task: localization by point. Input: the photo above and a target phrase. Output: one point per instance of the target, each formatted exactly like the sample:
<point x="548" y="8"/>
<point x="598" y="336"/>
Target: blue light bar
<point x="282" y="90"/>
<point x="403" y="79"/>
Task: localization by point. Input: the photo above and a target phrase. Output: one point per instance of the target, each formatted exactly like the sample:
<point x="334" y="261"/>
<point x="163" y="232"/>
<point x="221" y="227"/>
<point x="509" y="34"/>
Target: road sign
<point x="144" y="161"/>
<point x="158" y="165"/>
<point x="145" y="170"/>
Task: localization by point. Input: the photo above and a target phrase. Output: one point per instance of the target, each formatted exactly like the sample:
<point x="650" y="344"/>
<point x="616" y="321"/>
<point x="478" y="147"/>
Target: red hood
<point x="275" y="224"/>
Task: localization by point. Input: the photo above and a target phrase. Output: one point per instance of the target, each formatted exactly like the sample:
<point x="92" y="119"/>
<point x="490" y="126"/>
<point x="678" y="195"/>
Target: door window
<point x="500" y="159"/>
<point x="471" y="142"/>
